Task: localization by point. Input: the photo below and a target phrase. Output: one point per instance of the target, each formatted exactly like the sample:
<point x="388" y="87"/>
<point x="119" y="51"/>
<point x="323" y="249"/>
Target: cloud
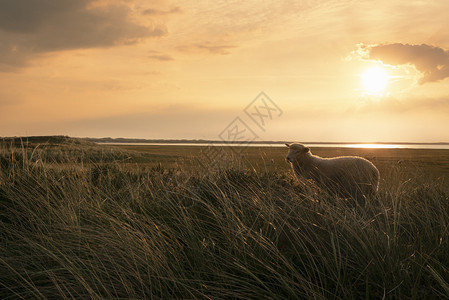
<point x="215" y="49"/>
<point x="158" y="12"/>
<point x="6" y="101"/>
<point x="431" y="61"/>
<point x="156" y="55"/>
<point x="209" y="47"/>
<point x="29" y="28"/>
<point x="161" y="57"/>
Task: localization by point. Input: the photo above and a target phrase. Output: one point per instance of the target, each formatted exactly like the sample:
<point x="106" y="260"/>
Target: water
<point x="342" y="145"/>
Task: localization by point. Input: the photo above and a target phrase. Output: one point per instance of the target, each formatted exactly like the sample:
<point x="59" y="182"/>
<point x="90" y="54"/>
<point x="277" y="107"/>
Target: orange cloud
<point x="431" y="61"/>
<point x="209" y="47"/>
<point x="161" y="57"/>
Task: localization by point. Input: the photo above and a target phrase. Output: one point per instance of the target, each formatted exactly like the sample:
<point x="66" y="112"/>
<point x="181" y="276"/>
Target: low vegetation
<point x="78" y="220"/>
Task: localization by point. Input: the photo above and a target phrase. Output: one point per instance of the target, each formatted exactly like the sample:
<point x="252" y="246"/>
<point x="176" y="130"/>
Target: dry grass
<point x="95" y="223"/>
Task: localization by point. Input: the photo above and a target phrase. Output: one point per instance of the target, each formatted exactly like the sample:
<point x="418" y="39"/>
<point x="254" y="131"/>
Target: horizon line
<point x="192" y="140"/>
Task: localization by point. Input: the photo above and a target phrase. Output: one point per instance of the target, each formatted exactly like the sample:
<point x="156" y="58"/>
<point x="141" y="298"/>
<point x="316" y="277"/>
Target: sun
<point x="375" y="80"/>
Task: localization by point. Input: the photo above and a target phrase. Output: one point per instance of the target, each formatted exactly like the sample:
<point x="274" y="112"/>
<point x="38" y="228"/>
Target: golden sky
<point x="357" y="71"/>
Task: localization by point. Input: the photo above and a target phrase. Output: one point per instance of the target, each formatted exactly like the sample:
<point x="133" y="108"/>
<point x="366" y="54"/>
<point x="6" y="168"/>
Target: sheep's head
<point x="297" y="151"/>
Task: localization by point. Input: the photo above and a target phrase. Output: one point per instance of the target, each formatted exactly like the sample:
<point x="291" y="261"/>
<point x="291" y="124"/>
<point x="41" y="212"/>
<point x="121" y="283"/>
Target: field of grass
<point x="79" y="220"/>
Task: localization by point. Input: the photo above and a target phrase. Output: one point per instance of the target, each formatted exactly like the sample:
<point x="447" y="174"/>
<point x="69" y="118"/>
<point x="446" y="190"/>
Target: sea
<point x="313" y="145"/>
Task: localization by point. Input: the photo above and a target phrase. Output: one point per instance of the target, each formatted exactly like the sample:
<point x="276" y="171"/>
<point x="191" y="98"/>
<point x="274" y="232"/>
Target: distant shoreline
<point x="108" y="140"/>
<point x="201" y="141"/>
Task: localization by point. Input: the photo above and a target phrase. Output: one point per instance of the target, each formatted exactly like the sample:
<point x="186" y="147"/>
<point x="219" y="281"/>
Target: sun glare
<point x="375" y="80"/>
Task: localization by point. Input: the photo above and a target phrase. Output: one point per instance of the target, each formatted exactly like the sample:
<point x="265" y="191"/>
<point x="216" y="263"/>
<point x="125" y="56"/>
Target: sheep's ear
<point x="306" y="149"/>
<point x="288" y="145"/>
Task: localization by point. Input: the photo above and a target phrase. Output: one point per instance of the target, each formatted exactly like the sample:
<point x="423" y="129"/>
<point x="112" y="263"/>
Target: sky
<point x="316" y="71"/>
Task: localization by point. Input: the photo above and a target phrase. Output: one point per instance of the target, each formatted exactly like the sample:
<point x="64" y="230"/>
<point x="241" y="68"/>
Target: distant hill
<point x="50" y="140"/>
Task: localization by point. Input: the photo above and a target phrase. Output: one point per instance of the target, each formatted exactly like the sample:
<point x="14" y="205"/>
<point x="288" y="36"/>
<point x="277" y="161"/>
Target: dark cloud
<point x="432" y="62"/>
<point x="33" y="27"/>
<point x="27" y="16"/>
<point x="158" y="12"/>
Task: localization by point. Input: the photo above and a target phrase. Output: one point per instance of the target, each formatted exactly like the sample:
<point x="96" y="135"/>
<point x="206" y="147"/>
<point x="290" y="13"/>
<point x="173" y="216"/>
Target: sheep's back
<point x="351" y="173"/>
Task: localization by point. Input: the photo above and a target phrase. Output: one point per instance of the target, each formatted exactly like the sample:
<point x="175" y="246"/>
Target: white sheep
<point x="351" y="176"/>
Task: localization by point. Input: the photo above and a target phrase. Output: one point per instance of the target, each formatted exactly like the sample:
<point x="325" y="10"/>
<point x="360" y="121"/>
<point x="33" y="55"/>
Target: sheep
<point x="347" y="176"/>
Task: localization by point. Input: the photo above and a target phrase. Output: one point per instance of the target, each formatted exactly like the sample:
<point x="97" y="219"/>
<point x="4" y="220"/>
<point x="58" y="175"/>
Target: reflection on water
<point x="341" y="145"/>
<point x="386" y="146"/>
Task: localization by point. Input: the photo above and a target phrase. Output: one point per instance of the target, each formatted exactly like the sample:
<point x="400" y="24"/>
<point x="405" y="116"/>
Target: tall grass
<point x="82" y="227"/>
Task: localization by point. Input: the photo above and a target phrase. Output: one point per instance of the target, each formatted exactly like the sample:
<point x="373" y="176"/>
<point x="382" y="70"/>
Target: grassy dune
<point x="78" y="220"/>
